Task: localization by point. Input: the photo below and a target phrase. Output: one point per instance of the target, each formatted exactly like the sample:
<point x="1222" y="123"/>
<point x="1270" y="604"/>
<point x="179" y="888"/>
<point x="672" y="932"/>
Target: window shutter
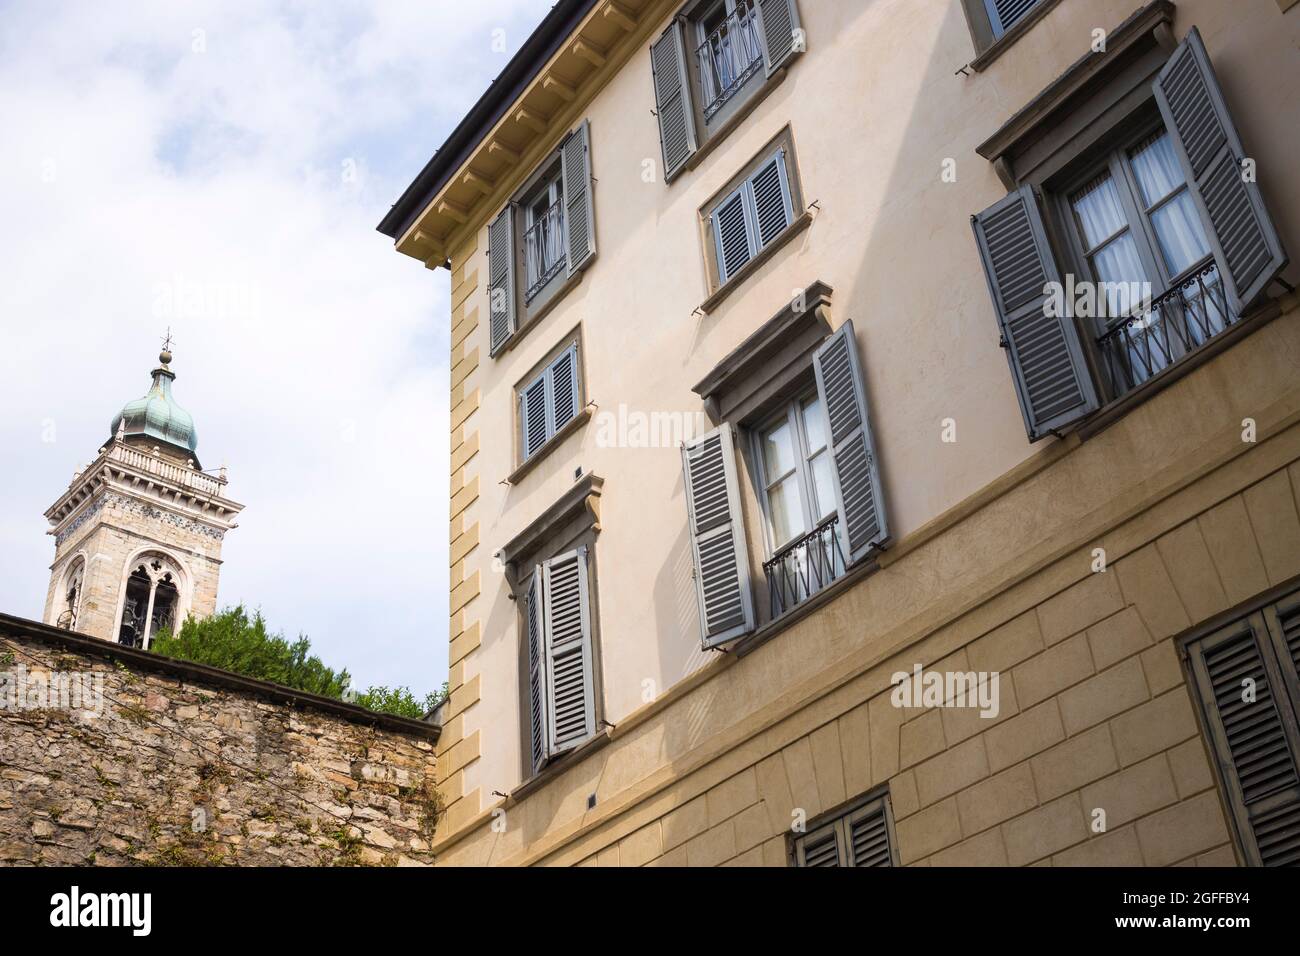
<point x="563" y="375"/>
<point x="732" y="236"/>
<point x="673" y="99"/>
<point x="780" y="20"/>
<point x="501" y="278"/>
<point x="1256" y="740"/>
<point x="536" y="672"/>
<point x="570" y="683"/>
<point x="721" y="559"/>
<point x="1004" y="14"/>
<point x="771" y="191"/>
<point x="820" y="848"/>
<point x="534" y="415"/>
<point x="1045" y="352"/>
<point x="843" y="394"/>
<point x="1206" y="141"/>
<point x="868" y="836"/>
<point x="580" y="224"/>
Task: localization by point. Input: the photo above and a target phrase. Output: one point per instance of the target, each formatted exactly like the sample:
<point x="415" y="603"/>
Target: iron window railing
<point x="1178" y="323"/>
<point x="544" y="248"/>
<point x="804" y="566"/>
<point x="729" y="56"/>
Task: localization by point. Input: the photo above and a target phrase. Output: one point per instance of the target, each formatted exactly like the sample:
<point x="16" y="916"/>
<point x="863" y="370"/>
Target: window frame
<point x="712" y="125"/>
<point x="791" y="411"/>
<point x="990" y="44"/>
<point x="838" y="820"/>
<point x="555" y="432"/>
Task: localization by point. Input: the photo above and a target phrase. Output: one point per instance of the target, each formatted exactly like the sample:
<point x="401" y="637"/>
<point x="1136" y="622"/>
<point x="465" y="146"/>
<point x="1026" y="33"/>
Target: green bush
<point x="399" y="701"/>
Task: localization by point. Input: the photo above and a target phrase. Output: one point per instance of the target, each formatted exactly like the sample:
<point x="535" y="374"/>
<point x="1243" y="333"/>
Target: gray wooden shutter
<point x="863" y="526"/>
<point x="867" y="832"/>
<point x="772" y="206"/>
<point x="1256" y="740"/>
<point x="536" y="672"/>
<point x="733" y="239"/>
<point x="1004" y="14"/>
<point x="534" y="415"/>
<point x="779" y="20"/>
<point x="570" y="680"/>
<point x="579" y="221"/>
<point x="673" y="99"/>
<point x="1245" y="243"/>
<point x="501" y="278"/>
<point x="1045" y="352"/>
<point x="717" y="531"/>
<point x="563" y="375"/>
<point x="820" y="848"/>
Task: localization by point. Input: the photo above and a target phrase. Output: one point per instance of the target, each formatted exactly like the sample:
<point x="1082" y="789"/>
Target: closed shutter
<point x="856" y="471"/>
<point x="534" y="415"/>
<point x="570" y="682"/>
<point x="721" y="559"/>
<point x="780" y="21"/>
<point x="1004" y="14"/>
<point x="536" y="672"/>
<point x="819" y="848"/>
<point x="771" y="192"/>
<point x="563" y="375"/>
<point x="732" y="236"/>
<point x="753" y="216"/>
<point x="549" y="402"/>
<point x="580" y="223"/>
<point x="1044" y="351"/>
<point x="673" y="99"/>
<point x="1255" y="738"/>
<point x="868" y="836"/>
<point x="1245" y="243"/>
<point x="858" y="836"/>
<point x="501" y="278"/>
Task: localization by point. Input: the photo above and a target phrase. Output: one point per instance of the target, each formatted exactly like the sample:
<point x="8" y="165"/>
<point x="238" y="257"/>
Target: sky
<point x="218" y="168"/>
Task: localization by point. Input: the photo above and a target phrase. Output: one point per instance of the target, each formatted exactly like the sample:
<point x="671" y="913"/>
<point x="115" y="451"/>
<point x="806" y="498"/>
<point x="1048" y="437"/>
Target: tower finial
<point x="166" y="355"/>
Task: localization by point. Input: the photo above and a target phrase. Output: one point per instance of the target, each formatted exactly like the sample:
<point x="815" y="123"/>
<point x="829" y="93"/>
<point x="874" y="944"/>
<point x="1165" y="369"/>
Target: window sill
<point x="572" y="425"/>
<point x="716" y="136"/>
<point x="558" y="766"/>
<point x="802" y="222"/>
<point x="550" y="302"/>
<point x="1008" y="39"/>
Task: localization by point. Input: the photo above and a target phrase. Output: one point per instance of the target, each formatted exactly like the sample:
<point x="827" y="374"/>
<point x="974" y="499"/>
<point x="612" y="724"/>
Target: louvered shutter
<point x="780" y="21"/>
<point x="501" y="278"/>
<point x="1245" y="243"/>
<point x="856" y="471"/>
<point x="1004" y="14"/>
<point x="1045" y="352"/>
<point x="536" y="672"/>
<point x="867" y="832"/>
<point x="770" y="190"/>
<point x="733" y="238"/>
<point x="673" y="99"/>
<point x="570" y="683"/>
<point x="580" y="223"/>
<point x="819" y="848"/>
<point x="721" y="558"/>
<point x="534" y="415"/>
<point x="1256" y="739"/>
<point x="563" y="391"/>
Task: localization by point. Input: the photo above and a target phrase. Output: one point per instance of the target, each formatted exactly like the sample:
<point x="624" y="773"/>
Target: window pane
<point x="1117" y="264"/>
<point x="1178" y="227"/>
<point x="823" y="487"/>
<point x="785" y="510"/>
<point x="778" y="451"/>
<point x="1098" y="210"/>
<point x="1156" y="168"/>
<point x="814" y="424"/>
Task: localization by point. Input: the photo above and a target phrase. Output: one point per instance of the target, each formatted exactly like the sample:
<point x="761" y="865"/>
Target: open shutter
<point x="563" y="375"/>
<point x="536" y="672"/>
<point x="1045" y="352"/>
<point x="580" y="224"/>
<point x="534" y="415"/>
<point x="856" y="471"/>
<point x="721" y="559"/>
<point x="673" y="99"/>
<point x="771" y="192"/>
<point x="501" y="278"/>
<point x="1245" y="243"/>
<point x="868" y="836"/>
<point x="732" y="235"/>
<point x="780" y="23"/>
<point x="570" y="683"/>
<point x="1256" y="739"/>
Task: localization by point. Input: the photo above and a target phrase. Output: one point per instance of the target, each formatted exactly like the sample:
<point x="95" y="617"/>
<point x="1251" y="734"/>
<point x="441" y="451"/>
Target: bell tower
<point x="138" y="533"/>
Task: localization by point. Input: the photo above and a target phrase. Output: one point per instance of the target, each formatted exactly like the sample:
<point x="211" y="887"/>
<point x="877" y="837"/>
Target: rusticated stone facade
<point x="153" y="761"/>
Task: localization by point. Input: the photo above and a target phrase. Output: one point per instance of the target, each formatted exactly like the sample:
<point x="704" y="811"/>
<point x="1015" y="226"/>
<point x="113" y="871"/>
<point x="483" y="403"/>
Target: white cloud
<point x="227" y="183"/>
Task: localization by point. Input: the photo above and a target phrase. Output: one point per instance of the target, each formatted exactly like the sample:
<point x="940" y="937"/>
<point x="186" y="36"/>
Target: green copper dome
<point x="157" y="417"/>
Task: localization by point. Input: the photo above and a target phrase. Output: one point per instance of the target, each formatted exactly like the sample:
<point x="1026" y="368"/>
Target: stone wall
<point x="137" y="759"/>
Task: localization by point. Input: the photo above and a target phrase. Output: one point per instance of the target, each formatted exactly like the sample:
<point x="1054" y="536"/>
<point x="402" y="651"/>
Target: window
<point x="1246" y="676"/>
<point x="711" y="60"/>
<point x="860" y="835"/>
<point x="549" y="401"/>
<point x="992" y="21"/>
<point x="1004" y="14"/>
<point x="1166" y="211"/>
<point x="72" y="593"/>
<point x="151" y="601"/>
<point x="543" y="237"/>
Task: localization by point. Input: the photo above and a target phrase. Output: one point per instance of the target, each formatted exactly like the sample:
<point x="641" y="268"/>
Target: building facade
<point x="875" y="435"/>
<point x="138" y="532"/>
